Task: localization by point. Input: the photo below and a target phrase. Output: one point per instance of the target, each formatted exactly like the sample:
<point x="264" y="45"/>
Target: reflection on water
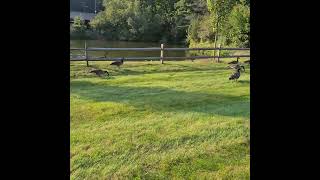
<point x="124" y="44"/>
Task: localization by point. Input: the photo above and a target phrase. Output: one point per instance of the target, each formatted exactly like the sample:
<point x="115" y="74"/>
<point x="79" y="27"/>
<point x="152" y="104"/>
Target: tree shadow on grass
<point x="164" y="99"/>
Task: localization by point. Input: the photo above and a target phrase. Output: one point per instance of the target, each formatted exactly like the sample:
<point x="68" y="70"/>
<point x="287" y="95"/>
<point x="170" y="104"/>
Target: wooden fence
<point x="87" y="58"/>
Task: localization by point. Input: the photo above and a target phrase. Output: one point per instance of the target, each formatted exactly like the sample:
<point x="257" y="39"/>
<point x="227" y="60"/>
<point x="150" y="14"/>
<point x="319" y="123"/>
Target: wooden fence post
<point x="85" y="52"/>
<point x="161" y="53"/>
<point x="214" y="54"/>
<point x="219" y="53"/>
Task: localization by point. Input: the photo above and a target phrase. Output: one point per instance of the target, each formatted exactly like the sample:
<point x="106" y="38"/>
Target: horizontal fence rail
<point x="85" y="57"/>
<point x="124" y="49"/>
<point x="155" y="49"/>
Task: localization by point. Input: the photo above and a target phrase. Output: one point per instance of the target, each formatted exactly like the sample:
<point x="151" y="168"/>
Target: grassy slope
<point x="151" y="121"/>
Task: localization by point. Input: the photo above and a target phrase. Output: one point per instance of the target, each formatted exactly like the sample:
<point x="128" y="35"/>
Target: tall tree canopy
<point x="192" y="21"/>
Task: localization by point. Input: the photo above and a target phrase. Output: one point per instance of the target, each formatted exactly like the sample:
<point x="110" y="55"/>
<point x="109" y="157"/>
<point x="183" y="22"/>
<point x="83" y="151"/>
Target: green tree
<point x="143" y="25"/>
<point x="185" y="12"/>
<point x="239" y="26"/>
<point x="175" y="20"/>
<point x="78" y="25"/>
<point x="219" y="10"/>
<point x="112" y="22"/>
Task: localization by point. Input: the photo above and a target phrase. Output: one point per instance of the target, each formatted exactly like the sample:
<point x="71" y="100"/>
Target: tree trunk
<point x="216" y="37"/>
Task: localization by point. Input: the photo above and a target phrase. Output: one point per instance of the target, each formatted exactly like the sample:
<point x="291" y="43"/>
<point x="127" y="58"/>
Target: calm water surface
<point x="124" y="44"/>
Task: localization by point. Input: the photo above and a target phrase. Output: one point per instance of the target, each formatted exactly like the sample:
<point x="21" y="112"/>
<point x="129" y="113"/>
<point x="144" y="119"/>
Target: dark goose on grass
<point x="117" y="63"/>
<point x="235" y="76"/>
<point x="99" y="72"/>
<point x="234" y="62"/>
<point x="236" y="67"/>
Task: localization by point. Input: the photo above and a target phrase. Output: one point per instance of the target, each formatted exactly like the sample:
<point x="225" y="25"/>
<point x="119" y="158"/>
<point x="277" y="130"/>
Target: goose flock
<point x="101" y="73"/>
<point x="237" y="66"/>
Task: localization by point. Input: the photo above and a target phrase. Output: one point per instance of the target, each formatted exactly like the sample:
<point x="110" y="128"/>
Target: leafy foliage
<point x="229" y="19"/>
<point x="78" y="28"/>
<point x="191" y="21"/>
<point x="239" y="26"/>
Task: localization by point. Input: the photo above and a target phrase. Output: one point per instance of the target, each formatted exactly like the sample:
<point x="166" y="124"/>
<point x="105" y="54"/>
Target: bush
<point x="239" y="26"/>
<point x="78" y="28"/>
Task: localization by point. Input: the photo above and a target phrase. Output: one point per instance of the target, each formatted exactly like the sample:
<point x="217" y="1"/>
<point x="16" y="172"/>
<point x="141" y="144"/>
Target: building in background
<point x="86" y="9"/>
<point x="87" y="6"/>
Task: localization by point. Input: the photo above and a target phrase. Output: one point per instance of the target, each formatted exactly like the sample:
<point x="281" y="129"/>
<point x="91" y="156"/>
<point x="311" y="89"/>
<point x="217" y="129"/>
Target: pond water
<point x="125" y="44"/>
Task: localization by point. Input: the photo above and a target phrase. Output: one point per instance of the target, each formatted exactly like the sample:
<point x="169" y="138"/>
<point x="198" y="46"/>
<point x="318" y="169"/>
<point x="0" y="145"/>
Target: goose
<point x="105" y="54"/>
<point x="237" y="66"/>
<point x="234" y="62"/>
<point x="235" y="76"/>
<point x="99" y="72"/>
<point x="117" y="63"/>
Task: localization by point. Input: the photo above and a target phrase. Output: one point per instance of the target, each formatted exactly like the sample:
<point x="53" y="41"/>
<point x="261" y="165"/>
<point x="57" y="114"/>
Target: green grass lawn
<point x="179" y="120"/>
